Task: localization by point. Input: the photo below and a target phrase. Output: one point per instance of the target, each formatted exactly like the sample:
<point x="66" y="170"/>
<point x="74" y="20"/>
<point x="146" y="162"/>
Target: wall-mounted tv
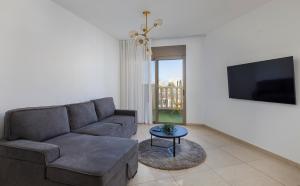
<point x="269" y="81"/>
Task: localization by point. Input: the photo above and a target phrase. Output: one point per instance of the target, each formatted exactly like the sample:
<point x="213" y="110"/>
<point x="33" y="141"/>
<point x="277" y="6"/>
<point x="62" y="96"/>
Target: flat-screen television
<point x="270" y="81"/>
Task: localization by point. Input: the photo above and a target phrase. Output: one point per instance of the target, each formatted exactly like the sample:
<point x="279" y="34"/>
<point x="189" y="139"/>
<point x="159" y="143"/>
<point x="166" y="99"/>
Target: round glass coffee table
<point x="178" y="133"/>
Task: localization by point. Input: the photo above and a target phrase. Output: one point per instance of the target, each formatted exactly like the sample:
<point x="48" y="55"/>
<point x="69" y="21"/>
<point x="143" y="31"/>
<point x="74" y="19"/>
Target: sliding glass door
<point x="168" y="91"/>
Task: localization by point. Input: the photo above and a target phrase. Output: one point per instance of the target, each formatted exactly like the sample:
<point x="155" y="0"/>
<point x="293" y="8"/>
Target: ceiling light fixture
<point x="142" y="38"/>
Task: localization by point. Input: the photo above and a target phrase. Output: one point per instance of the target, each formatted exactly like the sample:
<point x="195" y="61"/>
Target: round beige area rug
<point x="188" y="154"/>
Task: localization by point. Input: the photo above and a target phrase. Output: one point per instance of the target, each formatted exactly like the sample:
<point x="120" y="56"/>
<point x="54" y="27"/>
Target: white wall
<point x="271" y="31"/>
<point x="194" y="75"/>
<point x="49" y="56"/>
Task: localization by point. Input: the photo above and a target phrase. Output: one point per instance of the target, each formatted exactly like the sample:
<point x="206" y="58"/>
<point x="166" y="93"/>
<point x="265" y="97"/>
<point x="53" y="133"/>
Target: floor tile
<point x="200" y="130"/>
<point x="204" y="144"/>
<point x="218" y="140"/>
<point x="160" y="182"/>
<point x="146" y="174"/>
<point x="245" y="175"/>
<point x="279" y="170"/>
<point x="205" y="178"/>
<point x="243" y="153"/>
<point x="199" y="168"/>
<point x="217" y="158"/>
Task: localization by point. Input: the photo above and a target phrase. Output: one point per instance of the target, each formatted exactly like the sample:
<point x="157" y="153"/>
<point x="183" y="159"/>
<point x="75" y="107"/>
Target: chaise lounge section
<point x="83" y="144"/>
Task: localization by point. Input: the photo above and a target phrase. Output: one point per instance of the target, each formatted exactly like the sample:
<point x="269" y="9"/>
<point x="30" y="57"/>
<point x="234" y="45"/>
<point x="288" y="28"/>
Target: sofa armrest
<point x="25" y="150"/>
<point x="127" y="113"/>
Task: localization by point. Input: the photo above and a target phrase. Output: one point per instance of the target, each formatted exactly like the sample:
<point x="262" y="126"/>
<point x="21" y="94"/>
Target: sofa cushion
<point x="128" y="123"/>
<point x="81" y="114"/>
<point x="37" y="124"/>
<point x="29" y="151"/>
<point x="105" y="107"/>
<point x="90" y="160"/>
<point x="102" y="129"/>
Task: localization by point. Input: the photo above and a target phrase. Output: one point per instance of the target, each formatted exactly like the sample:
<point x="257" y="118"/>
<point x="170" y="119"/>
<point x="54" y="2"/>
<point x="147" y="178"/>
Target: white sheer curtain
<point x="136" y="80"/>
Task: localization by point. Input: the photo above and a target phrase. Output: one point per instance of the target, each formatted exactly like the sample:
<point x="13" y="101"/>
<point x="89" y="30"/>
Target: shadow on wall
<point x="1" y="124"/>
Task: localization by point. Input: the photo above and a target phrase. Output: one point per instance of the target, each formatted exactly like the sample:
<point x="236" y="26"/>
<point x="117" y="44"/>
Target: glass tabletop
<point x="179" y="131"/>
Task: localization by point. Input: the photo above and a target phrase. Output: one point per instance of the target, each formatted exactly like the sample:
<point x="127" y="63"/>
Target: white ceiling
<point x="181" y="17"/>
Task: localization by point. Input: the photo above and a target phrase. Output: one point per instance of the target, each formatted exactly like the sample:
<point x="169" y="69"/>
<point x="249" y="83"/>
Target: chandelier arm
<point x="149" y="29"/>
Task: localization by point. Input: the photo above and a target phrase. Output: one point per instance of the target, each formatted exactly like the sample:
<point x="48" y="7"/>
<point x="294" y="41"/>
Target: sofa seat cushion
<point x="81" y="114"/>
<point x="122" y="120"/>
<point x="128" y="123"/>
<point x="101" y="129"/>
<point x="105" y="107"/>
<point x="90" y="160"/>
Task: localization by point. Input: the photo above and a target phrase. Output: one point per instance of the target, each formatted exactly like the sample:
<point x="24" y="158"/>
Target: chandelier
<point x="142" y="38"/>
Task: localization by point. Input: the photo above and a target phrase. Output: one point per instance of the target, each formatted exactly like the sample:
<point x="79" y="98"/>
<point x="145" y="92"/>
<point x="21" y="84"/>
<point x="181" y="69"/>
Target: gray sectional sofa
<point x="83" y="144"/>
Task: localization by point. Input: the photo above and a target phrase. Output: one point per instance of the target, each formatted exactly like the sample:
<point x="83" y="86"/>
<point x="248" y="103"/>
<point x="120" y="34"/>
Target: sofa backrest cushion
<point x="105" y="107"/>
<point x="36" y="124"/>
<point x="81" y="114"/>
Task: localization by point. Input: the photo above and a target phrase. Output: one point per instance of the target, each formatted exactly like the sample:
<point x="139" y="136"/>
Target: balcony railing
<point x="169" y="97"/>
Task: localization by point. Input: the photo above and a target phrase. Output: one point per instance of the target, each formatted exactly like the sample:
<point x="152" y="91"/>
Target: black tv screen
<point x="270" y="81"/>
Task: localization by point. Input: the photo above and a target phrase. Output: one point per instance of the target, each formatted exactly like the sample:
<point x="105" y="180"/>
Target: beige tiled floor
<point x="228" y="163"/>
